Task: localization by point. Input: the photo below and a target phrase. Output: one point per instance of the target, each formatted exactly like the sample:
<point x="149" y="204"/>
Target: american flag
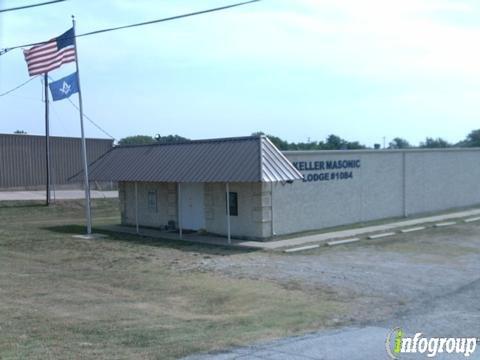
<point x="51" y="55"/>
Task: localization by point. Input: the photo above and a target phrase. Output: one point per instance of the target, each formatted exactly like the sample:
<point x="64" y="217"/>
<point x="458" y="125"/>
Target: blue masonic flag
<point x="63" y="88"/>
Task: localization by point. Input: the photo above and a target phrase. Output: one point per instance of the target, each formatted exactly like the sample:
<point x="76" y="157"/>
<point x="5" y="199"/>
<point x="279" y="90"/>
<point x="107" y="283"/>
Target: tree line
<point x="332" y="142"/>
<point x="472" y="140"/>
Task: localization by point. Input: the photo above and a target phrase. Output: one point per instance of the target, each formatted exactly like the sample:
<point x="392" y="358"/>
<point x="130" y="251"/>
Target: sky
<point x="299" y="69"/>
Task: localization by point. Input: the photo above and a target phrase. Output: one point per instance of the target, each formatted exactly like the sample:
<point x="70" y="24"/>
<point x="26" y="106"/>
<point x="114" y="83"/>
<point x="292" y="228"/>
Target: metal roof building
<point x="247" y="188"/>
<point x="214" y="185"/>
<point x="23" y="165"/>
<point x="240" y="159"/>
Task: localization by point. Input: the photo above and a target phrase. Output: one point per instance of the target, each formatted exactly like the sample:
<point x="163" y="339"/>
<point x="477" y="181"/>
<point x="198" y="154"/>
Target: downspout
<point x="404" y="183"/>
<point x="227" y="189"/>
<point x="271" y="205"/>
<point x="136" y="208"/>
<point x="179" y="211"/>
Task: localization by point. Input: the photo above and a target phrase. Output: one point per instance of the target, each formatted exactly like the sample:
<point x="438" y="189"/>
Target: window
<point x="233" y="201"/>
<point x="152" y="201"/>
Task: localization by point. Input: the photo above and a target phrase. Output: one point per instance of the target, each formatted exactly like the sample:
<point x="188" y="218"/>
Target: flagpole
<point x="84" y="146"/>
<point x="47" y="138"/>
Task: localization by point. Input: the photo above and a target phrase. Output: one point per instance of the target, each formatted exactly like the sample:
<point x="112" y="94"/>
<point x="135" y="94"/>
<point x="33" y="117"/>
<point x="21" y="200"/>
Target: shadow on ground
<point x="23" y="204"/>
<point x="182" y="245"/>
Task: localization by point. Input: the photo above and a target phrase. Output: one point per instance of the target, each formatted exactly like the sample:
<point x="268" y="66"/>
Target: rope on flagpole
<point x="91" y="121"/>
<point x="5" y="50"/>
<point x="71" y="102"/>
<point x="19" y="86"/>
<point x="86" y="117"/>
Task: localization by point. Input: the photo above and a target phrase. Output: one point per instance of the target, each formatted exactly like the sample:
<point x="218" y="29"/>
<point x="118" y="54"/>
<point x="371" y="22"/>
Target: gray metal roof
<point x="241" y="159"/>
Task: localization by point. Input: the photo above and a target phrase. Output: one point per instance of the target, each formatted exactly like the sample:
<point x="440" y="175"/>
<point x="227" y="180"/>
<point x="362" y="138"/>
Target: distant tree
<point x="170" y="138"/>
<point x="355" y="145"/>
<point x="335" y="142"/>
<point x="312" y="145"/>
<point x="472" y="140"/>
<point x="20" y="132"/>
<point x="434" y="143"/>
<point x="398" y="143"/>
<point x="146" y="139"/>
<point x="279" y="143"/>
<point x="137" y="140"/>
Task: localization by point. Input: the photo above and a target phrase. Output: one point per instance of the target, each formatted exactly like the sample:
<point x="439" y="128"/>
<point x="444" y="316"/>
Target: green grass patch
<point x="126" y="297"/>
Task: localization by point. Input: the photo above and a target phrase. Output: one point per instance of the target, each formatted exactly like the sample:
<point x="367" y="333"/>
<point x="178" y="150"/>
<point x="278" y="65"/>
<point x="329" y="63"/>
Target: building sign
<point x="327" y="170"/>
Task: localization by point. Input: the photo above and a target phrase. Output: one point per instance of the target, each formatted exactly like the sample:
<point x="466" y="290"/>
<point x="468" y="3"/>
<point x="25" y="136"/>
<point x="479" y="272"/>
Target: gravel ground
<point x="427" y="281"/>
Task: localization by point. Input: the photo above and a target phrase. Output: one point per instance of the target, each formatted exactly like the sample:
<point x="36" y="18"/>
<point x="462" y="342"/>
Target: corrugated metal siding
<point x="22" y="158"/>
<point x="275" y="166"/>
<point x="217" y="160"/>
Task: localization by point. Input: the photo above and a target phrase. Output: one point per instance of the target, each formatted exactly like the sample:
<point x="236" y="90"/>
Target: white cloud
<point x="372" y="37"/>
<point x="409" y="52"/>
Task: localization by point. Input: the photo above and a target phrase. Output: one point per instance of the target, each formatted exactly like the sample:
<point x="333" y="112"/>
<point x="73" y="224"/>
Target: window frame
<point x="233" y="204"/>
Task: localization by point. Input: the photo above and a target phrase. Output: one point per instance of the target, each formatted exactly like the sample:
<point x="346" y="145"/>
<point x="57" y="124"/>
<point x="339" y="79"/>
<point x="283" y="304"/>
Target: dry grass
<point x="435" y="244"/>
<point x="124" y="297"/>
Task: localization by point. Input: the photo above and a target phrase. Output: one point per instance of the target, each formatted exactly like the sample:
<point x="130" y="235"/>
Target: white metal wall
<point x="387" y="184"/>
